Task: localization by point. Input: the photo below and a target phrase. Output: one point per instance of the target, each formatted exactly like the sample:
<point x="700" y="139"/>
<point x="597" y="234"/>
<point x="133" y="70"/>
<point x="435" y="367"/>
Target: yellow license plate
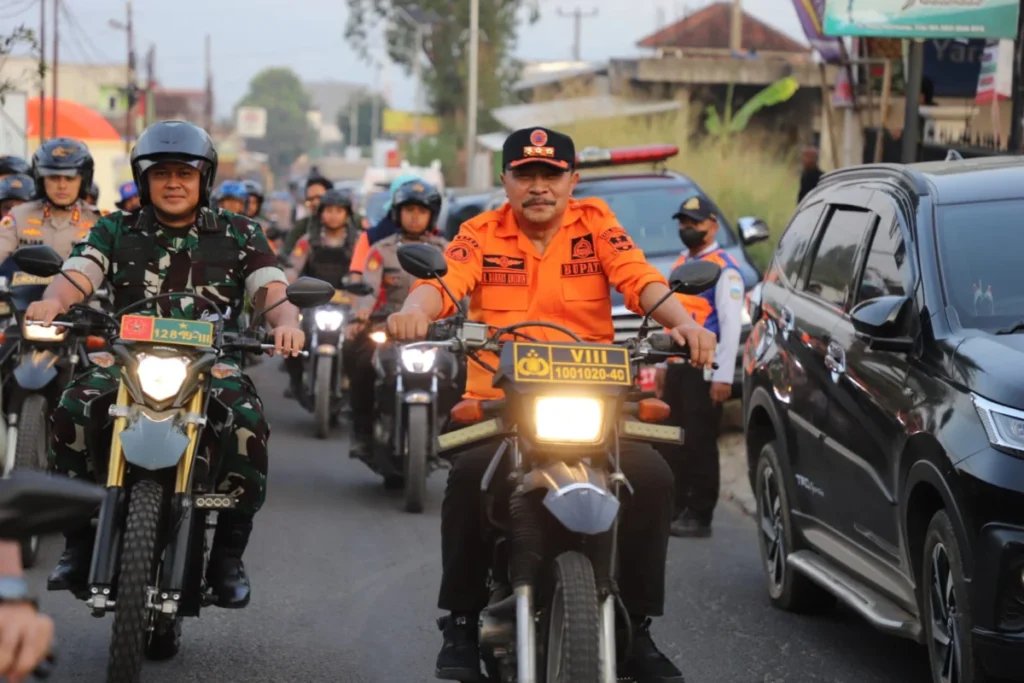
<point x="21" y="279"/>
<point x="572" y="363"/>
<point x="341" y="297"/>
<point x="146" y="328"/>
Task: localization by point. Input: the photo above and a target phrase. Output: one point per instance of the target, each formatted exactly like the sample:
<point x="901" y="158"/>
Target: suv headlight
<point x="565" y="419"/>
<point x="160" y="377"/>
<point x="329" y="319"/>
<point x="419" y="360"/>
<point x="40" y="333"/>
<point x="1003" y="425"/>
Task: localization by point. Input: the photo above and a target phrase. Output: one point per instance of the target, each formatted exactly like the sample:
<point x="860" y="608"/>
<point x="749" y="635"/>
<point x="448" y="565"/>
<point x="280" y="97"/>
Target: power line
<point x="96" y="52"/>
<point x="19" y="11"/>
<point x="75" y="41"/>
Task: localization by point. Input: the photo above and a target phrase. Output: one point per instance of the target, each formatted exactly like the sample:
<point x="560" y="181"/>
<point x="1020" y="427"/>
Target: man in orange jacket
<point x="545" y="256"/>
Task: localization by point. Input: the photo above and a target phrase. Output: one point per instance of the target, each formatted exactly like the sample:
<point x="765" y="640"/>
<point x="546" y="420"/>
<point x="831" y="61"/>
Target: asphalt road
<point x="345" y="583"/>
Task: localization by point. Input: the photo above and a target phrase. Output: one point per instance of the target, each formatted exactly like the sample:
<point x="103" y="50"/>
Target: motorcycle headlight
<point x="161" y="378"/>
<point x="564" y="419"/>
<point x="40" y="333"/>
<point x="1003" y="425"/>
<point x="379" y="337"/>
<point x="419" y="360"/>
<point x="329" y="319"/>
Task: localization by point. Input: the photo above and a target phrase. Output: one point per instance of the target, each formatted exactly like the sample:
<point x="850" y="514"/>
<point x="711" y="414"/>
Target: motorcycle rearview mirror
<point x="43" y="261"/>
<point x="309" y="292"/>
<point x="427" y="263"/>
<point x="34" y="504"/>
<point x="692" y="277"/>
<point x="358" y="288"/>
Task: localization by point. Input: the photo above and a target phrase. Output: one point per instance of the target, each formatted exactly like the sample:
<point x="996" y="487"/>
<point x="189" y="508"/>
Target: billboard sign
<point x="251" y="122"/>
<point x="922" y="18"/>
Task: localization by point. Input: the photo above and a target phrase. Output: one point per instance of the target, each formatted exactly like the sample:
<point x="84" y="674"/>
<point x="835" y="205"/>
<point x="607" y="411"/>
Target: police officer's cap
<point x="12" y="165"/>
<point x="695" y="208"/>
<point x="20" y="186"/>
<point x="179" y="141"/>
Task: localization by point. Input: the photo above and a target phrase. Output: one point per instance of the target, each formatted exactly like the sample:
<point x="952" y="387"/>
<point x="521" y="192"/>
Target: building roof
<point x="535" y="74"/>
<point x="562" y="112"/>
<point x="711" y="27"/>
<point x="74" y="120"/>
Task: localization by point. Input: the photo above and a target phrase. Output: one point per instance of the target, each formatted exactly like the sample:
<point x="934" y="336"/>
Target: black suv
<point x="884" y="408"/>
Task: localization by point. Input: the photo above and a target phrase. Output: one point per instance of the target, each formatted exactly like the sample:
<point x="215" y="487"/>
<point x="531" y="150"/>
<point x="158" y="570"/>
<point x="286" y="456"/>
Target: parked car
<point x="884" y="409"/>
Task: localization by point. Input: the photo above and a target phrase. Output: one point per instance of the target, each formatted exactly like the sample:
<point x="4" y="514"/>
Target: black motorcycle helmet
<point x="256" y="190"/>
<point x="19" y="186"/>
<point x="335" y="198"/>
<point x="66" y="157"/>
<point x="174" y="141"/>
<point x="12" y="165"/>
<point x="416" y="192"/>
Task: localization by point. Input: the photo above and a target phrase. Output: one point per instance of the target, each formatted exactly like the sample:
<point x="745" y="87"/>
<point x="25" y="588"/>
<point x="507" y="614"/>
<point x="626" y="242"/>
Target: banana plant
<point x="778" y="92"/>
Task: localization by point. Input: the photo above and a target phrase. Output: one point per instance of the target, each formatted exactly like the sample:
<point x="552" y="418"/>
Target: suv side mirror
<point x="886" y="322"/>
<point x="753" y="230"/>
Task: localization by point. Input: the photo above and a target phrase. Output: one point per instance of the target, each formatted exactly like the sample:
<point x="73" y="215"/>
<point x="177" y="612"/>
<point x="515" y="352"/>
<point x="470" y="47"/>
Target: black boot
<point x="689" y="525"/>
<point x="361" y="443"/>
<point x="72" y="570"/>
<point x="226" y="574"/>
<point x="644" y="662"/>
<point x="459" y="658"/>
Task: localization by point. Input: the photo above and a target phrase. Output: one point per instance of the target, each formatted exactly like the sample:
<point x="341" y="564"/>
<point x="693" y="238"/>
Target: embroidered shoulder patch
<point x="7" y="222"/>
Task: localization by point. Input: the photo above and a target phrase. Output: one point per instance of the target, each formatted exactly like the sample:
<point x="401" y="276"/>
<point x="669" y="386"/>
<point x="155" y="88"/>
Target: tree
<point x="8" y="42"/>
<point x="446" y="45"/>
<point x="364" y="113"/>
<point x="289" y="135"/>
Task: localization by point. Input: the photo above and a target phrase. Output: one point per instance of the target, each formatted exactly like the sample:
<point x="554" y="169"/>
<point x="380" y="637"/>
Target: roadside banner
<point x="996" y="77"/>
<point x="922" y="18"/>
<point x="811" y="13"/>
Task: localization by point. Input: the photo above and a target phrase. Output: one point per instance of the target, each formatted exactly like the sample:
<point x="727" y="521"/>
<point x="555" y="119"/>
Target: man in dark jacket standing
<point x="811" y="174"/>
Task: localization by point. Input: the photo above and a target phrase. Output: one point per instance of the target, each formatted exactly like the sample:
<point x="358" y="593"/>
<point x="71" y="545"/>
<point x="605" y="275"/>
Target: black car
<point x="884" y="408"/>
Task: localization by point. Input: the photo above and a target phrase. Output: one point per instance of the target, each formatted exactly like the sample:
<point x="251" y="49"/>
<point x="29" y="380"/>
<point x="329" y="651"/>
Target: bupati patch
<point x="581" y="268"/>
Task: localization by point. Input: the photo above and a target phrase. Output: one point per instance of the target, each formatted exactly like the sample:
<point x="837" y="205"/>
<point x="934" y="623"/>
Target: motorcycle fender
<point x="36" y="369"/>
<point x="578" y="496"/>
<point x="154" y="442"/>
<point x="418" y="397"/>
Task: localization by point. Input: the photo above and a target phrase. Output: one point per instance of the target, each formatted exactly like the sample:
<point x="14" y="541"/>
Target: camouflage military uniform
<point x="223" y="257"/>
<point x="37" y="222"/>
<point x="391" y="284"/>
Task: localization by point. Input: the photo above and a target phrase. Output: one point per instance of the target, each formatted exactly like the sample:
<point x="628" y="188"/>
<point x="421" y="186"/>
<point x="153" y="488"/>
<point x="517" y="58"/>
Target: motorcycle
<point x="151" y="548"/>
<point x="325" y="382"/>
<point x="38" y="362"/>
<point x="33" y="504"/>
<point x="567" y="406"/>
<point x="414" y="388"/>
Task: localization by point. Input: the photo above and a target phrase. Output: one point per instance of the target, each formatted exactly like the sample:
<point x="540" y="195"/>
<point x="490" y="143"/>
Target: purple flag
<point x="811" y="13"/>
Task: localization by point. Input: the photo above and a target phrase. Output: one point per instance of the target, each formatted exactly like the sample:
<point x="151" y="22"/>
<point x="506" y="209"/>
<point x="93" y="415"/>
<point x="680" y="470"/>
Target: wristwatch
<point x="14" y="589"/>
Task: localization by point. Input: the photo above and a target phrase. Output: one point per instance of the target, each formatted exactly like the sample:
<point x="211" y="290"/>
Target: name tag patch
<point x="499" y="269"/>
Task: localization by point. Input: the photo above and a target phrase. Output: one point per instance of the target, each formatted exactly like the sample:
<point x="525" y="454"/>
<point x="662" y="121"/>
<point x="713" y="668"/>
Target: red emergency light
<point x="594" y="157"/>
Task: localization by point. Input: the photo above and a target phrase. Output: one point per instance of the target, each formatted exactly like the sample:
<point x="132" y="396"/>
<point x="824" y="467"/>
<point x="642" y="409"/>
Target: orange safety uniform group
<point x="509" y="281"/>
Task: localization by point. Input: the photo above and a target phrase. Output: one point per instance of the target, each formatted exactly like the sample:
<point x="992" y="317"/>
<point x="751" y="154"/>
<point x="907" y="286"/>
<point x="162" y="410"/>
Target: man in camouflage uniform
<point x="174" y="243"/>
<point x="415" y="206"/>
<point x="59" y="216"/>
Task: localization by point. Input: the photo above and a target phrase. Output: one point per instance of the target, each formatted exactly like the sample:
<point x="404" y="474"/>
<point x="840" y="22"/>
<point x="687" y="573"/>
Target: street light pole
<point x="474" y="66"/>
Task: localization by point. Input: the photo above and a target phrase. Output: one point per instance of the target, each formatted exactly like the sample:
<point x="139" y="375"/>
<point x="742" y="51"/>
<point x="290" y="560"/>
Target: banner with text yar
<point x="922" y="18"/>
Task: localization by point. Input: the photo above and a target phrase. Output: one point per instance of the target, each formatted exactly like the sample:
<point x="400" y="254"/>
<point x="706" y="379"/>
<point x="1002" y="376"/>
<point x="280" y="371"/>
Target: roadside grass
<point x="746" y="174"/>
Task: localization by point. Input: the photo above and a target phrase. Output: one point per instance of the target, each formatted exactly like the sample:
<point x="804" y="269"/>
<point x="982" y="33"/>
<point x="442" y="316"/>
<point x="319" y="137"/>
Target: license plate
<point x="146" y="328"/>
<point x="572" y="363"/>
<point x="341" y="297"/>
<point x="21" y="279"/>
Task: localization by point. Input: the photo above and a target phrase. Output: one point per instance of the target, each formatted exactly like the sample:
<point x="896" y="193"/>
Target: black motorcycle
<point x="151" y="549"/>
<point x="567" y="405"/>
<point x="36" y="363"/>
<point x="414" y="390"/>
<point x="33" y="504"/>
<point x="325" y="383"/>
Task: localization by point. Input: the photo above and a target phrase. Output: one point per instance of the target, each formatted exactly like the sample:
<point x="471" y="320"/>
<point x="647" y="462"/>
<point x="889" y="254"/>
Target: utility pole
<point x="417" y="133"/>
<point x="474" y="86"/>
<point x="56" y="61"/>
<point x="353" y="119"/>
<point x="577" y="24"/>
<point x="150" y="84"/>
<point x="129" y="123"/>
<point x="375" y="109"/>
<point x="42" y="70"/>
<point x="736" y="33"/>
<point x="209" y="87"/>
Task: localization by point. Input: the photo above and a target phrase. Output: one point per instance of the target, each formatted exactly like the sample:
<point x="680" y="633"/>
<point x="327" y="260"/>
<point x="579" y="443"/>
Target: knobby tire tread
<point x="581" y="647"/>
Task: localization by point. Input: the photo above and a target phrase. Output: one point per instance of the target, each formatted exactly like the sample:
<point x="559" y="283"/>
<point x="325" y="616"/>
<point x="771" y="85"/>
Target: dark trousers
<point x="643" y="530"/>
<point x="357" y="359"/>
<point x="694" y="464"/>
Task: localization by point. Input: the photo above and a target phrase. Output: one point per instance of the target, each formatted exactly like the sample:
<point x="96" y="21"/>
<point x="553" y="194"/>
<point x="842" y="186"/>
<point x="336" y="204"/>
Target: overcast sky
<point x="307" y="35"/>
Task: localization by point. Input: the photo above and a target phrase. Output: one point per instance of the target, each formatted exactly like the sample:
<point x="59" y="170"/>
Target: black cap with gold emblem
<point x="63" y="157"/>
<point x="538" y="145"/>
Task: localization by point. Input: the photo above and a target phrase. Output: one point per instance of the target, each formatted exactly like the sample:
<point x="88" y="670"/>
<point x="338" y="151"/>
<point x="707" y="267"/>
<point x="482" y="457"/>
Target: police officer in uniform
<point x="12" y="165"/>
<point x="414" y="209"/>
<point x="15" y="190"/>
<point x="316" y="187"/>
<point x="59" y="216"/>
<point x="129" y="197"/>
<point x="325" y="254"/>
<point x="696" y="402"/>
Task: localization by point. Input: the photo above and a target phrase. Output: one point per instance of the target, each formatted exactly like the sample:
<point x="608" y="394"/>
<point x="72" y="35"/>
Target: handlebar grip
<point x="664" y="343"/>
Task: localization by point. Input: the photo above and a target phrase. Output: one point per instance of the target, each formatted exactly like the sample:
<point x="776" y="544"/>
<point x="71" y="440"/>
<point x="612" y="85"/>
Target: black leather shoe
<point x="645" y="663"/>
<point x="225" y="574"/>
<point x="72" y="570"/>
<point x="688" y="526"/>
<point x="459" y="658"/>
<point x="361" y="446"/>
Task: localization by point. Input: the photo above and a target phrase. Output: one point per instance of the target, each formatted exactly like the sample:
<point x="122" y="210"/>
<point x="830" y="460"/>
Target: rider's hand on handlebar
<point x="408" y="325"/>
<point x="25" y="638"/>
<point x="289" y="341"/>
<point x="44" y="310"/>
<point x="699" y="341"/>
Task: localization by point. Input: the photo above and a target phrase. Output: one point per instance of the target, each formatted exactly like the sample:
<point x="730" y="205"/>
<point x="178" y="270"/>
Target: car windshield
<point x="646" y="213"/>
<point x="980" y="262"/>
<point x="375" y="206"/>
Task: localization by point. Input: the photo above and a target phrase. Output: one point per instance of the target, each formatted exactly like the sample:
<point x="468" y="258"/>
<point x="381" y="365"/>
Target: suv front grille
<point x="626" y="323"/>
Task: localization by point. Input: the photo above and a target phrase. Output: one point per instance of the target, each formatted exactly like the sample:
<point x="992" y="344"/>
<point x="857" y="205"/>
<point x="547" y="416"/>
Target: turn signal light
<point x="468" y="411"/>
<point x="95" y="343"/>
<point x="3" y="337"/>
<point x="652" y="410"/>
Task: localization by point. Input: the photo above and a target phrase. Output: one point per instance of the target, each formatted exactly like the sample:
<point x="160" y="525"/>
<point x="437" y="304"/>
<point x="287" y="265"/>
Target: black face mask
<point x="692" y="237"/>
